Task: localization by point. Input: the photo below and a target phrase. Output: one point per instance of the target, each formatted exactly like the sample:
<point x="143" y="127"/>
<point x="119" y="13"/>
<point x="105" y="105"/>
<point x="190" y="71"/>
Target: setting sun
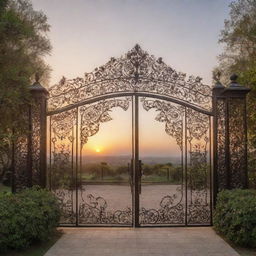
<point x="97" y="150"/>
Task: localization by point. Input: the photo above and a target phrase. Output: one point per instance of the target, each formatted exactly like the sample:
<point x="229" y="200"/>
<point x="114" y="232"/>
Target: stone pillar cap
<point x="37" y="87"/>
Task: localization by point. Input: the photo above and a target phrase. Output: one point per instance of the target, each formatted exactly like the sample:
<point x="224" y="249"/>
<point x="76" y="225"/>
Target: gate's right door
<point x="174" y="153"/>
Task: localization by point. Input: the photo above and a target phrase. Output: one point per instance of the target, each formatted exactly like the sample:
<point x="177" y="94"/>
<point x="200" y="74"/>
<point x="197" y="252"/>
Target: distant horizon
<point x="117" y="160"/>
<point x="126" y="155"/>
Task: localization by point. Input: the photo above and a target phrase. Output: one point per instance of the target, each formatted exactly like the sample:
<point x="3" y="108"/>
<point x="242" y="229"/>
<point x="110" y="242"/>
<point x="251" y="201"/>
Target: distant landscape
<point x="125" y="159"/>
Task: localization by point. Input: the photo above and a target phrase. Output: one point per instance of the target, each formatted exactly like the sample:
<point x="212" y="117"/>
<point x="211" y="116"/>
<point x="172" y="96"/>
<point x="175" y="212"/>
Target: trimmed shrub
<point x="29" y="216"/>
<point x="235" y="216"/>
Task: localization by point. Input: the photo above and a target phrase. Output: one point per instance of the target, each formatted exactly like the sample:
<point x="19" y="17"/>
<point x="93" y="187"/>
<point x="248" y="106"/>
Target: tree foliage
<point x="23" y="44"/>
<point x="239" y="56"/>
<point x="239" y="33"/>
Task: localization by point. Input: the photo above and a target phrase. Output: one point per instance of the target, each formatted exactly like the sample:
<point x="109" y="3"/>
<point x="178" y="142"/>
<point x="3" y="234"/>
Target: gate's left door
<point x="90" y="163"/>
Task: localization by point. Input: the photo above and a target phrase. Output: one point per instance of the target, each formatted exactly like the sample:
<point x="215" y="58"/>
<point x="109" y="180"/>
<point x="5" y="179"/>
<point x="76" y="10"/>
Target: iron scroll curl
<point x="136" y="71"/>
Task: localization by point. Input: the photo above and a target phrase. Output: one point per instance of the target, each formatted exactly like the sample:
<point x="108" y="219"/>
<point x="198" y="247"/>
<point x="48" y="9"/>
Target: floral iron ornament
<point x="93" y="115"/>
<point x="136" y="71"/>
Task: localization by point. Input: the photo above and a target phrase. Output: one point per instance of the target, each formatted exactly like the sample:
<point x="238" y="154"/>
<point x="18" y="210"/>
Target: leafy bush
<point x="28" y="216"/>
<point x="252" y="168"/>
<point x="235" y="216"/>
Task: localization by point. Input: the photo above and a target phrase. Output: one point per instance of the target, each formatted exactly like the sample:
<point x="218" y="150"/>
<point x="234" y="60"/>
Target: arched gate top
<point x="135" y="72"/>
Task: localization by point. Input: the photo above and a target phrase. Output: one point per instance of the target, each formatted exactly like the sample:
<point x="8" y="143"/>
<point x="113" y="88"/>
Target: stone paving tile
<point x="197" y="241"/>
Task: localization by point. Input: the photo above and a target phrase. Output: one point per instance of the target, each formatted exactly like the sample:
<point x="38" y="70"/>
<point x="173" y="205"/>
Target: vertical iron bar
<point x="246" y="185"/>
<point x="50" y="156"/>
<point x="210" y="167"/>
<point x="182" y="158"/>
<point x="43" y="138"/>
<point x="186" y="170"/>
<point x="29" y="148"/>
<point x="133" y="167"/>
<point x="190" y="171"/>
<point x="80" y="171"/>
<point x="72" y="169"/>
<point x="76" y="183"/>
<point x="133" y="127"/>
<point x="215" y="149"/>
<point x="227" y="142"/>
<point x="80" y="161"/>
<point x="136" y="148"/>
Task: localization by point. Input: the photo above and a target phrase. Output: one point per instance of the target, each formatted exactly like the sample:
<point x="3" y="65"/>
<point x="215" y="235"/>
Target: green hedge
<point x="29" y="216"/>
<point x="235" y="216"/>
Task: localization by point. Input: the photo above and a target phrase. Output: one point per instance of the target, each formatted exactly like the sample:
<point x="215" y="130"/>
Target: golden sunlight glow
<point x="97" y="150"/>
<point x="115" y="138"/>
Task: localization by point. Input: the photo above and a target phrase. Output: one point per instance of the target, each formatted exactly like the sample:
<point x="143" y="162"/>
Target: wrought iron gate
<point x="76" y="109"/>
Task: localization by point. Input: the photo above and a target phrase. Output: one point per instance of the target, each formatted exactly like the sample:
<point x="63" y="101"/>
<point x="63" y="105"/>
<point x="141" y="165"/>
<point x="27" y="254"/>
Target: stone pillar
<point x="230" y="136"/>
<point x="37" y="135"/>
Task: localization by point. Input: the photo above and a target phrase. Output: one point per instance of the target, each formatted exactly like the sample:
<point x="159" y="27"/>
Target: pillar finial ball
<point x="233" y="78"/>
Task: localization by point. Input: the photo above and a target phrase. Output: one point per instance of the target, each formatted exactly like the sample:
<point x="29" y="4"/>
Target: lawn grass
<point x="156" y="178"/>
<point x="125" y="178"/>
<point x="38" y="249"/>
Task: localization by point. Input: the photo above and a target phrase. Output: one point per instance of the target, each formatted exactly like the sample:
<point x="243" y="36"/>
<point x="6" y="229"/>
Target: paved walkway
<point x="141" y="242"/>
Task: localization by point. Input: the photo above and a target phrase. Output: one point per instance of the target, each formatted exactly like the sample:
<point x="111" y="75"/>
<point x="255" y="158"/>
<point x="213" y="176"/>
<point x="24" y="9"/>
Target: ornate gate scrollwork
<point x="62" y="169"/>
<point x="92" y="98"/>
<point x="189" y="110"/>
<point x="230" y="136"/>
<point x="170" y="114"/>
<point x="171" y="207"/>
<point x="78" y="106"/>
<point x="92" y="209"/>
<point x="196" y="181"/>
<point x="93" y="115"/>
<point x="237" y="141"/>
<point x="136" y="71"/>
<point x="83" y="122"/>
<point x="220" y="147"/>
<point x="199" y="169"/>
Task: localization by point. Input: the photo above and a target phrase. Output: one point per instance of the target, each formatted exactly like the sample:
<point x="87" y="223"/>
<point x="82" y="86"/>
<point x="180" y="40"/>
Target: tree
<point x="239" y="56"/>
<point x="23" y="44"/>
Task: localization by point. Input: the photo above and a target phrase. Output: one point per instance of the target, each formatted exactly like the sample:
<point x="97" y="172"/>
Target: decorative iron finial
<point x="37" y="77"/>
<point x="216" y="76"/>
<point x="137" y="47"/>
<point x="233" y="78"/>
<point x="63" y="80"/>
<point x="160" y="60"/>
<point x="37" y="87"/>
<point x="234" y="82"/>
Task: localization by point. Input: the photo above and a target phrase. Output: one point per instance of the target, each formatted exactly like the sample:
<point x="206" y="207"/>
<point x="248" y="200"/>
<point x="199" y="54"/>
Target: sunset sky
<point x="115" y="136"/>
<point x="86" y="33"/>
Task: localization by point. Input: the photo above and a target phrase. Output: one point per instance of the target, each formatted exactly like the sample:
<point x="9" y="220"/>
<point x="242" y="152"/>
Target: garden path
<point x="178" y="241"/>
